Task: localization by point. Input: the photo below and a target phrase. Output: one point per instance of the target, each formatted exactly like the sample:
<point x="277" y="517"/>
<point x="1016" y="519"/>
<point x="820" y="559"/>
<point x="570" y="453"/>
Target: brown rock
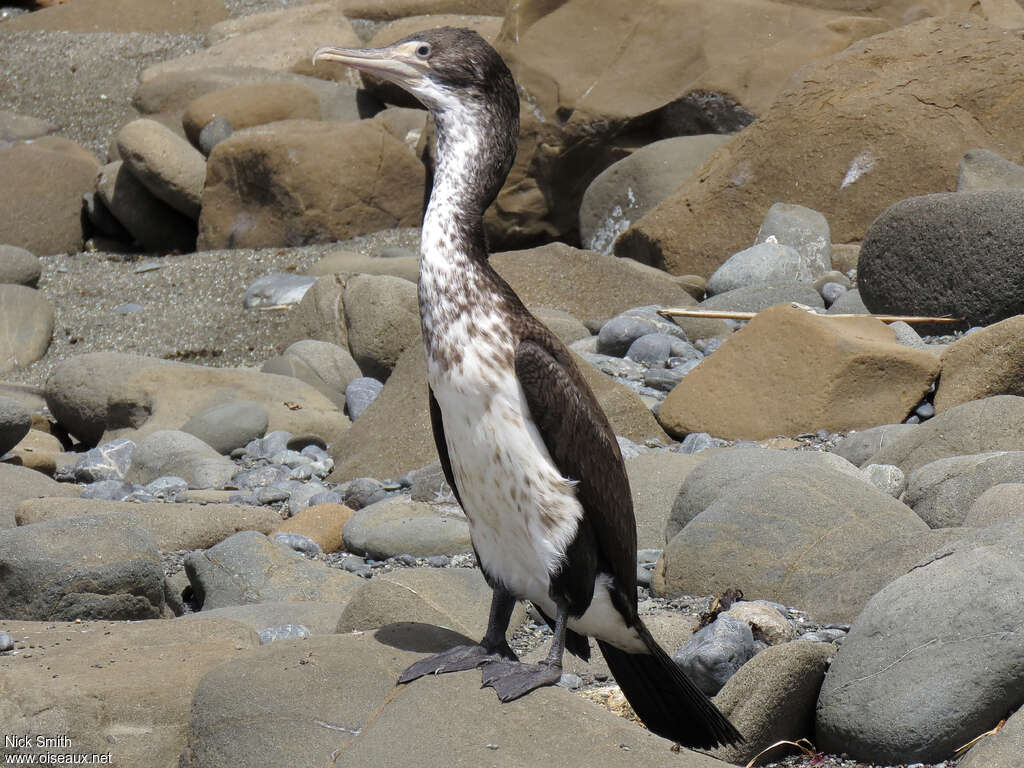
<point x="849" y="136"/>
<point x="251" y="104"/>
<point x="322" y="523"/>
<point x="20" y="483"/>
<point x="383" y="320"/>
<point x="985" y="363"/>
<point x="41" y="198"/>
<point x="351" y="263"/>
<point x="15" y="127"/>
<point x="330" y="181"/>
<point x="588" y="285"/>
<point x="166" y="165"/>
<point x="386" y="10"/>
<point x="113" y="687"/>
<point x="26" y="326"/>
<point x="320" y="315"/>
<point x="174" y="526"/>
<point x="393" y="435"/>
<point x="38" y="450"/>
<point x="566" y="327"/>
<point x="845" y="256"/>
<point x="789" y="371"/>
<point x="153" y="223"/>
<point x="182" y="16"/>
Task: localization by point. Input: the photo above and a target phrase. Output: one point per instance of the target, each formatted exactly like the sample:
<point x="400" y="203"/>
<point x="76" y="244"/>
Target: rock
<point x="228" y="426"/>
<point x="37" y="451"/>
<point x="332" y="181"/>
<point x="154" y="224"/>
<point x="19" y="266"/>
<point x="566" y="327"/>
<point x="715" y="652"/>
<point x="860" y="125"/>
<point x="213" y="133"/>
<point x="979" y="426"/>
<point x="913" y="236"/>
<point x="277" y="290"/>
<point x="860" y="445"/>
<point x="886" y="478"/>
<point x="351" y="263"/>
<point x="244" y="106"/>
<point x="26" y="326"/>
<point x="84" y="16"/>
<point x="319" y="617"/>
<point x="920" y="633"/>
<point x="997" y="504"/>
<point x="164" y="397"/>
<point x="766" y="263"/>
<point x="323" y="365"/>
<point x="41" y="198"/>
<point x="845" y="256"/>
<point x="144" y="672"/>
<point x="984" y="169"/>
<point x="15" y="423"/>
<point x="279" y="40"/>
<point x="400" y="526"/>
<point x="173" y="526"/>
<point x="21" y="483"/>
<point x="942" y="491"/>
<point x="457" y="599"/>
<point x="283" y="632"/>
<point x="766" y="622"/>
<point x="802" y="229"/>
<point x="655" y="479"/>
<point x="383" y="320"/>
<point x="1000" y="750"/>
<point x="770" y="379"/>
<point x="772" y="697"/>
<point x="359" y="393"/>
<point x="172" y="452"/>
<point x="166" y="164"/>
<point x="250" y="568"/>
<point x="298" y="543"/>
<point x="627" y="189"/>
<point x="109" y="461"/>
<point x="321" y="313"/>
<point x="393" y="435"/>
<point x="778" y="535"/>
<point x="322" y="523"/>
<point x="89" y="567"/>
<point x="15" y="127"/>
<point x="617" y="336"/>
<point x="981" y="364"/>
<point x="850" y="303"/>
<point x="589" y="286"/>
<point x="78" y="389"/>
<point x="759" y="297"/>
<point x="710" y="478"/>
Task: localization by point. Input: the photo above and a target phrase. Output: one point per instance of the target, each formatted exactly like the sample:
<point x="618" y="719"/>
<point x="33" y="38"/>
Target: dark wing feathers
<point x="583" y="446"/>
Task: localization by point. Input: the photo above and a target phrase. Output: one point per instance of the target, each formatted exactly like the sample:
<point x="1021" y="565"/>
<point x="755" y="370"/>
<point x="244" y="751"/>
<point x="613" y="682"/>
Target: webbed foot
<point x="457" y="659"/>
<point x="512" y="679"/>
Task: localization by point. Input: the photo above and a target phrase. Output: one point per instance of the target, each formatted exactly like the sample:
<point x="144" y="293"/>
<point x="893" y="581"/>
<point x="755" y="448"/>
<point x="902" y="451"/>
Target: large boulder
<point x="181" y="16"/>
<point x="986" y="362"/>
<point x="909" y="264"/>
<point x="589" y="98"/>
<point x="789" y="371"/>
<point x="26" y="326"/>
<point x="21" y="483"/>
<point x="382" y="319"/>
<point x="167" y="165"/>
<point x="777" y="535"/>
<point x="849" y="136"/>
<point x="934" y="659"/>
<point x="41" y="197"/>
<point x="942" y="492"/>
<point x="299" y="181"/>
<point x="251" y="104"/>
<point x="655" y="479"/>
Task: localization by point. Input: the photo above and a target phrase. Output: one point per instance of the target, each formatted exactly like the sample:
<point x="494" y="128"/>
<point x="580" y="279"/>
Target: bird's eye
<point x="423" y="51"/>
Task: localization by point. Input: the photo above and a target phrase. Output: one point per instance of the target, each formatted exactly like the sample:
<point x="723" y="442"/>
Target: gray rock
<point x="6" y="642"/>
<point x="801" y="228"/>
<point x="754" y="298"/>
<point x="302" y="497"/>
<point x="250" y="568"/>
<point x="983" y="169"/>
<point x="321" y="364"/>
<point x="886" y="478"/>
<point x="905" y="334"/>
<point x="213" y="133"/>
<point x="626" y="190"/>
<point x="566" y="327"/>
<point x="155" y="225"/>
<point x="21" y="483"/>
<point x="172" y="452"/>
<point x="832" y="292"/>
<point x="908" y="266"/>
<point x="429" y="484"/>
<point x="715" y="652"/>
<point x="362" y="492"/>
<point x="948" y="629"/>
<point x="657" y="348"/>
<point x="26" y="326"/>
<point x="850" y="303"/>
<point x="19" y="266"/>
<point x="109" y="490"/>
<point x="277" y="290"/>
<point x="655" y="478"/>
<point x="167" y="487"/>
<point x="283" y="632"/>
<point x="88" y="567"/>
<point x="997" y="504"/>
<point x="319" y="617"/>
<point x="942" y="491"/>
<point x="299" y="543"/>
<point x="401" y="526"/>
<point x="383" y="319"/>
<point x="695" y="442"/>
<point x="166" y="164"/>
<point x="772" y="697"/>
<point x="228" y="426"/>
<point x="616" y="367"/>
<point x="768" y="263"/>
<point x="102" y="220"/>
<point x="269" y="445"/>
<point x="858" y="447"/>
<point x="359" y="393"/>
<point x="109" y="461"/>
<point x="666" y="379"/>
<point x="618" y="334"/>
<point x="15" y="422"/>
<point x="714" y="476"/>
<point x="1000" y="750"/>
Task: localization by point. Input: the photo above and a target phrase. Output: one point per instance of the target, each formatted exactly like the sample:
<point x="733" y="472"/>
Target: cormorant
<point x="523" y="442"/>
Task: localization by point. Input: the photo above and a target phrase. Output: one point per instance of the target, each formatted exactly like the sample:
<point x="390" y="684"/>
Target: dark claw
<point x="457" y="659"/>
<point x="513" y="679"/>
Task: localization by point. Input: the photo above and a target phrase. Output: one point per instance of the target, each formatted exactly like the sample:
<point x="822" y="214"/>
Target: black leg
<point x="512" y="679"/>
<point x="493" y="647"/>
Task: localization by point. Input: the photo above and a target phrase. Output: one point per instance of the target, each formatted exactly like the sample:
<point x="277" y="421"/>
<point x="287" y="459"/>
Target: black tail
<point x="665" y="699"/>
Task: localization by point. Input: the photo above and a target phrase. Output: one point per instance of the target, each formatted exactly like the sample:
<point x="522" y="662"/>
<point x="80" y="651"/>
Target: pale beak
<point x="386" y="63"/>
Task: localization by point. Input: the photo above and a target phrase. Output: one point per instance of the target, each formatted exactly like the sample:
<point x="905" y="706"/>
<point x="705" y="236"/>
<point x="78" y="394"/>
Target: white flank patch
<point x="861" y="164"/>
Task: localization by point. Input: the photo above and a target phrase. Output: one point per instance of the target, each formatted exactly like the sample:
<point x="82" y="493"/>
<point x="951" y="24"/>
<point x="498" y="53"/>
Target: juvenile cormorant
<point x="522" y="440"/>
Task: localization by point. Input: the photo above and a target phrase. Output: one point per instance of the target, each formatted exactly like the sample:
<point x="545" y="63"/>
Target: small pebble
<point x="283" y="632"/>
<point x="298" y="542"/>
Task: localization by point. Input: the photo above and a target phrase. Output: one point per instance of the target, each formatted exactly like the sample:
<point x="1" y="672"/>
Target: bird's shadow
<point x="417" y="637"/>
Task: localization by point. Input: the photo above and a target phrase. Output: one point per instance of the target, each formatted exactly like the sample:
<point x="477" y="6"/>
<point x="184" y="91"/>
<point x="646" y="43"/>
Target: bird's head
<point x="445" y="68"/>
